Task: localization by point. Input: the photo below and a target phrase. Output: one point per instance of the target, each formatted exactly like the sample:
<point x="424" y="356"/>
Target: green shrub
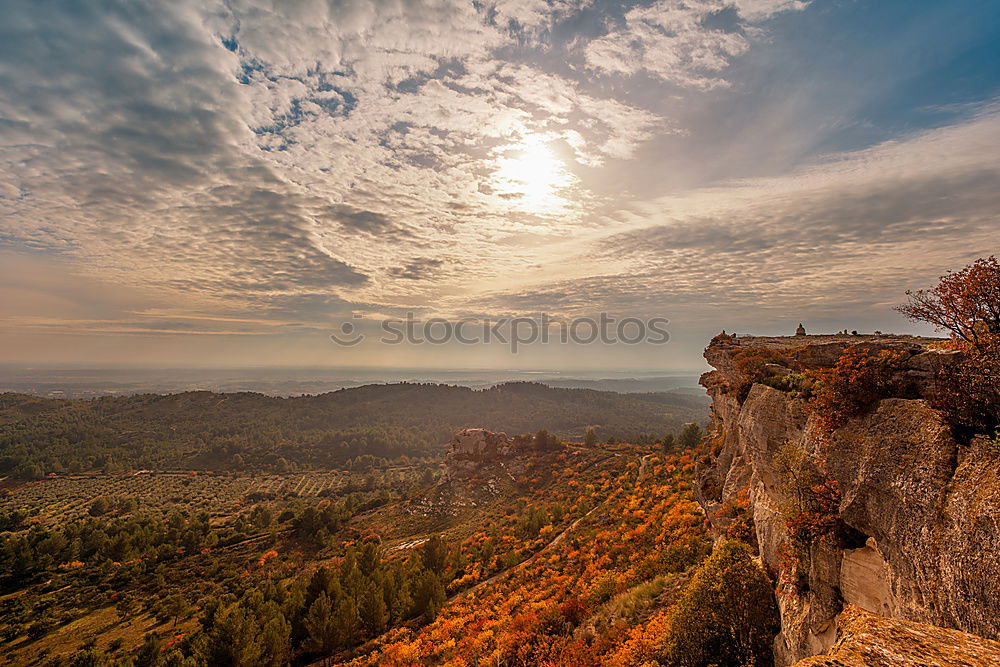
<point x="752" y="365"/>
<point x="727" y="616"/>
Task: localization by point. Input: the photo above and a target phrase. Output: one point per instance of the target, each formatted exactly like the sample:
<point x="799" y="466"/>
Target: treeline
<point x="314" y="616"/>
<point x="330" y="610"/>
<point x="253" y="431"/>
<point x="28" y="554"/>
<point x="137" y="542"/>
<point x="687" y="438"/>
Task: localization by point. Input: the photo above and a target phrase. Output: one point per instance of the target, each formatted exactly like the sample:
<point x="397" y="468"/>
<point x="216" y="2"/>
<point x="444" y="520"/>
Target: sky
<point x="226" y="183"/>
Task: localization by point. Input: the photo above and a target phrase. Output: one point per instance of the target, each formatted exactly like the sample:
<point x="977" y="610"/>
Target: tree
<point x="668" y="442"/>
<point x="275" y="637"/>
<point x="545" y="441"/>
<point x="429" y="596"/>
<point x="150" y="654"/>
<point x="321" y="581"/>
<point x="176" y="607"/>
<point x="309" y="526"/>
<point x="235" y="639"/>
<point x="689" y="436"/>
<point x="346" y="621"/>
<point x="261" y="517"/>
<point x="435" y="554"/>
<point x="591" y="438"/>
<point x="968" y="395"/>
<point x="965" y="303"/>
<point x="125" y="607"/>
<point x="100" y="506"/>
<point x="727" y="616"/>
<point x="373" y="612"/>
<point x="855" y="385"/>
<point x="89" y="658"/>
<point x="321" y="627"/>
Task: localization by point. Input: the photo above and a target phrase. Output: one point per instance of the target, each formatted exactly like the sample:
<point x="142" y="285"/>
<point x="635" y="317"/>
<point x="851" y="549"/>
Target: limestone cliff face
<point x="921" y="513"/>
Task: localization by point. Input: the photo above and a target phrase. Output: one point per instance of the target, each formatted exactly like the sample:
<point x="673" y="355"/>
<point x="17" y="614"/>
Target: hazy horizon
<point x="67" y="382"/>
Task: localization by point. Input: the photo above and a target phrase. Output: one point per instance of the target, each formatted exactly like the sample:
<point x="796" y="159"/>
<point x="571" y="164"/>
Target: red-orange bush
<point x="855" y="385"/>
<point x="968" y="394"/>
<point x="751" y="364"/>
<point x="966" y="304"/>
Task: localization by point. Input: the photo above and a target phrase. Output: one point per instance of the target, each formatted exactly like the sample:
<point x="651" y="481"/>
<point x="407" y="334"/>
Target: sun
<point x="532" y="176"/>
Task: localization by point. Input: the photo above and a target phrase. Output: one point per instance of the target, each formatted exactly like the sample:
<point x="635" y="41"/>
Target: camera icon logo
<point x="347" y="335"/>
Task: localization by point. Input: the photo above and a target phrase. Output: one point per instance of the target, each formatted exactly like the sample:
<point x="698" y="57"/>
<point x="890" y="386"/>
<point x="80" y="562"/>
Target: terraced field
<point x="65" y="498"/>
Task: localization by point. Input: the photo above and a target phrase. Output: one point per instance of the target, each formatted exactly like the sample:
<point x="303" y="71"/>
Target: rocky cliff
<point x="473" y="449"/>
<point x="912" y="532"/>
<point x="868" y="640"/>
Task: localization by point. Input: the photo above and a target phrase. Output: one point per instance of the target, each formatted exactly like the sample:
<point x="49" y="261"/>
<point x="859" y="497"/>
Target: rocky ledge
<point x="918" y="535"/>
<point x="868" y="640"/>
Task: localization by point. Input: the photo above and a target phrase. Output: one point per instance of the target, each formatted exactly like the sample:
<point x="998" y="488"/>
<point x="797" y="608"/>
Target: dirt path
<point x="553" y="542"/>
<point x="513" y="568"/>
<point x="642" y="468"/>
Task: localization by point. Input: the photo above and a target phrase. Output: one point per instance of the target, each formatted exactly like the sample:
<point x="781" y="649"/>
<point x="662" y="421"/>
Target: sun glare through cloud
<point x="532" y="176"/>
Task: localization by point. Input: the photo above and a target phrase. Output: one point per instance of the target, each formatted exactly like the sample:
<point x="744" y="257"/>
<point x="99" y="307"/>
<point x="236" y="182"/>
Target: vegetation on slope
<point x="580" y="560"/>
<point x="253" y="431"/>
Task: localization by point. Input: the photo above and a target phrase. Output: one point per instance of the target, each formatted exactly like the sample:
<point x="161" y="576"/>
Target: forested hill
<point x="210" y="430"/>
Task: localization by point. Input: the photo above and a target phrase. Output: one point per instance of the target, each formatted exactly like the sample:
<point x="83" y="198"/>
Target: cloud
<point x="361" y="220"/>
<point x="418" y="269"/>
<point x="688" y="43"/>
<point x="238" y="149"/>
<point x="837" y="238"/>
<point x="251" y="166"/>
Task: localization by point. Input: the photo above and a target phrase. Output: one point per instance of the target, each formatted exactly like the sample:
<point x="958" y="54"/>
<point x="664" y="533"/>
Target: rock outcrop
<point x="920" y="536"/>
<point x="472" y="449"/>
<point x="867" y="640"/>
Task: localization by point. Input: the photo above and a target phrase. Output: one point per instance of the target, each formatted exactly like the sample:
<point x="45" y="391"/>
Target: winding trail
<point x="644" y="459"/>
<point x="640" y="475"/>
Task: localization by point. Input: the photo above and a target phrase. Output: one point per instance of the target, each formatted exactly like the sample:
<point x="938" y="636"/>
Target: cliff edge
<point x="894" y="517"/>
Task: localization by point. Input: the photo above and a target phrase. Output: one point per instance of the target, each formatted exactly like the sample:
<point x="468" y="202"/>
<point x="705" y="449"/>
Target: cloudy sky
<point x="224" y="183"/>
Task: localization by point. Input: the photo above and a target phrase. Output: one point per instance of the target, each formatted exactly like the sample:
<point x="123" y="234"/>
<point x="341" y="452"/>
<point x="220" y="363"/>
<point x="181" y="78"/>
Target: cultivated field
<point x="65" y="498"/>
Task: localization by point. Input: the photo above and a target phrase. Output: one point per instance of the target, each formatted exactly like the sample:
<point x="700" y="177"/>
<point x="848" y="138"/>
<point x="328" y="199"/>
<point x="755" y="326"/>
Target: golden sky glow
<point x="200" y="181"/>
<point x="533" y="175"/>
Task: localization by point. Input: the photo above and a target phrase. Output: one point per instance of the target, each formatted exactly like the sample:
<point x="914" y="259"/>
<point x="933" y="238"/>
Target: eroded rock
<point x="920" y="508"/>
<point x="474" y="448"/>
<point x="868" y="640"/>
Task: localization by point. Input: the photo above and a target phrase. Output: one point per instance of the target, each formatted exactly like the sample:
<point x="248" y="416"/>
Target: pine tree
<point x="435" y="554"/>
<point x="373" y="612"/>
<point x="320" y="582"/>
<point x="346" y="621"/>
<point x="668" y="443"/>
<point x="275" y="637"/>
<point x="235" y="639"/>
<point x="690" y="436"/>
<point x="322" y="628"/>
<point x="429" y="596"/>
